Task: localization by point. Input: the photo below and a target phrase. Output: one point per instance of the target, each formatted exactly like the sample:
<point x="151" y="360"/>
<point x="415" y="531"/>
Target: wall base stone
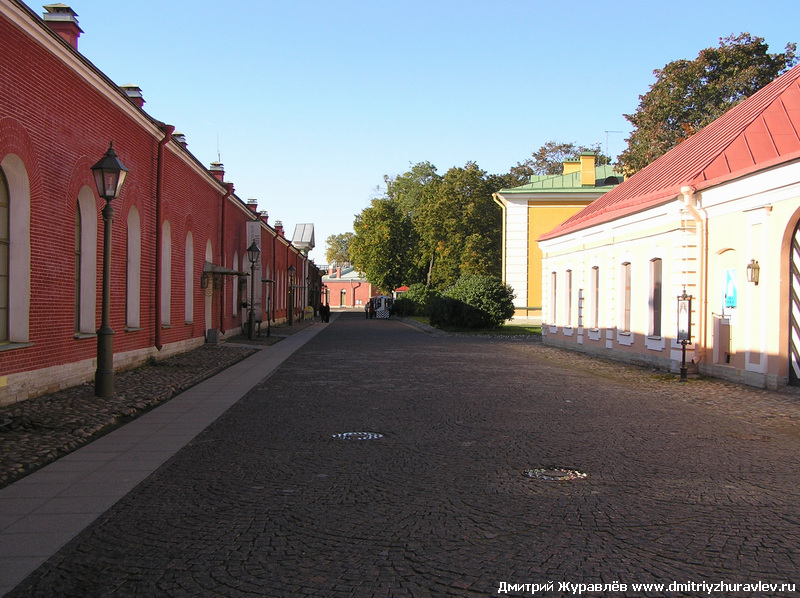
<point x="33" y="383"/>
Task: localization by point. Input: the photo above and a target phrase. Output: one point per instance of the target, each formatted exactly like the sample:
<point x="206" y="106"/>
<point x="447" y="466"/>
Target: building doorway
<point x="794" y="307"/>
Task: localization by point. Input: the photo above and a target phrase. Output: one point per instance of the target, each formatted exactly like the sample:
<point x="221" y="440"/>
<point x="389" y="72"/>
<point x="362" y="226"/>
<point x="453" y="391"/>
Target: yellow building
<point x="531" y="210"/>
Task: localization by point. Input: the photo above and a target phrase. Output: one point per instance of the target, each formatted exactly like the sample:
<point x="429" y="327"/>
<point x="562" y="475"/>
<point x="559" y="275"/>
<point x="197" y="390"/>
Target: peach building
<point x="717" y="218"/>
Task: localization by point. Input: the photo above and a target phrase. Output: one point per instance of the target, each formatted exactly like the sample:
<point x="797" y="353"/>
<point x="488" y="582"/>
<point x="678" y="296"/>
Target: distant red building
<point x="346" y="287"/>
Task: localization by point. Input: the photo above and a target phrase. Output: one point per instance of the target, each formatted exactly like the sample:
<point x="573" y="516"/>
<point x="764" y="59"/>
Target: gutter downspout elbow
<point x="168" y="130"/>
<point x="701" y="218"/>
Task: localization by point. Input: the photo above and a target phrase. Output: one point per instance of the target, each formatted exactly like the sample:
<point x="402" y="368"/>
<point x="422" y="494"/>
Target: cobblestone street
<point x="287" y="495"/>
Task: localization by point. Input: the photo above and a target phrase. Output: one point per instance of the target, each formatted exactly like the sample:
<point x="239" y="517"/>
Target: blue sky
<point x="311" y="102"/>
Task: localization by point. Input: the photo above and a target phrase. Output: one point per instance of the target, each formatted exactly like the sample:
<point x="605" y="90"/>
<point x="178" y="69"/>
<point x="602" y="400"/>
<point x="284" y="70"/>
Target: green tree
<point x="411" y="191"/>
<point x="462" y="226"/>
<point x="338" y="248"/>
<point x="382" y="243"/>
<point x="549" y="159"/>
<point x="689" y="94"/>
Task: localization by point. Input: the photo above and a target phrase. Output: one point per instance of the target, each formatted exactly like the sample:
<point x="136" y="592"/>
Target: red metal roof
<point x="761" y="131"/>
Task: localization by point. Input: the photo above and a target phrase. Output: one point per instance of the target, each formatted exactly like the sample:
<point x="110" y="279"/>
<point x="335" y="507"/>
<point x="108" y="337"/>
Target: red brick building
<point x="346" y="287"/>
<point x="180" y="233"/>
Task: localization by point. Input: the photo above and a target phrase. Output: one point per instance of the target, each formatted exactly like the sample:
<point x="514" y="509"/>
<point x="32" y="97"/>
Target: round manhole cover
<point x="556" y="474"/>
<point x="357" y="436"/>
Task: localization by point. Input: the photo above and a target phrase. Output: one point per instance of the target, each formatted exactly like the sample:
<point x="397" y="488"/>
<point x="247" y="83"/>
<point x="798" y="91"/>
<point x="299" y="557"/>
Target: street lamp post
<point x="268" y="282"/>
<point x="292" y="270"/>
<point x="253" y="253"/>
<point x="684" y="328"/>
<point x="109" y="175"/>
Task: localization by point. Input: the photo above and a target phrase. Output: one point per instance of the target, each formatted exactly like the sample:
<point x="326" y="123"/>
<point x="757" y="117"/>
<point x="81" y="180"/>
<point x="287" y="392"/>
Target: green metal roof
<point x="570" y="183"/>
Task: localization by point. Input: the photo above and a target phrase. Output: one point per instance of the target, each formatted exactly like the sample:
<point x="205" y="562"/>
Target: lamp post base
<point x="104" y="376"/>
<point x="683" y="362"/>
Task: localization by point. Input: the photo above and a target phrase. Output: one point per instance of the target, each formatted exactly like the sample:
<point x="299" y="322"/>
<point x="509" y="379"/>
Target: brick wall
<point x="58" y="122"/>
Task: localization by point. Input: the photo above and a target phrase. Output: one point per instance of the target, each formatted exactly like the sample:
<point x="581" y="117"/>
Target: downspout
<point x="289" y="283"/>
<point x="273" y="294"/>
<point x="700" y="216"/>
<point x="228" y="193"/>
<point x="168" y="130"/>
<point x="353" y="292"/>
<point x="504" y="208"/>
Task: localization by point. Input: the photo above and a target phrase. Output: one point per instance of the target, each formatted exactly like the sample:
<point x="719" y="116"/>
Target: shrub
<point x="403" y="307"/>
<point x="419" y="298"/>
<point x="474" y="302"/>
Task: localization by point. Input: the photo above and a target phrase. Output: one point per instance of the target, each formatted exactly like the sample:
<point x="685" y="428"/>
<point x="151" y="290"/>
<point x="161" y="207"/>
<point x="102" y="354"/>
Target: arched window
<point x="655" y="297"/>
<point x="625" y="279"/>
<point x="85" y="262"/>
<point x="4" y="251"/>
<point x="209" y="297"/>
<point x="78" y="248"/>
<point x="235" y="283"/>
<point x="134" y="269"/>
<point x="568" y="299"/>
<point x="594" y="292"/>
<point x="342" y="297"/>
<point x="15" y="254"/>
<point x="166" y="272"/>
<point x="188" y="271"/>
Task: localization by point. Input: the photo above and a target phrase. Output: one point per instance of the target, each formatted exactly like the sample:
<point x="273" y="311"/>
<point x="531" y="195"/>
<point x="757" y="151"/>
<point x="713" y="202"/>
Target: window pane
<point x="655" y="297"/>
<point x="78" y="234"/>
<point x="626" y="302"/>
<point x="595" y="297"/>
<point x="4" y="240"/>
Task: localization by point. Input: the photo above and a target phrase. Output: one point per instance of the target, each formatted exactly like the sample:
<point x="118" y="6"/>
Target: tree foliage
<point x="549" y="159"/>
<point x="338" y="248"/>
<point x="433" y="229"/>
<point x="416" y="301"/>
<point x="689" y="94"/>
<point x="381" y="245"/>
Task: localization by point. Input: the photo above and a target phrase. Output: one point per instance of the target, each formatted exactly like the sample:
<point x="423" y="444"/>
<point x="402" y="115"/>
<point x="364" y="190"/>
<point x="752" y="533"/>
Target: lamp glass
<point x="753" y="271"/>
<point x="109" y="174"/>
<point x="253" y="252"/>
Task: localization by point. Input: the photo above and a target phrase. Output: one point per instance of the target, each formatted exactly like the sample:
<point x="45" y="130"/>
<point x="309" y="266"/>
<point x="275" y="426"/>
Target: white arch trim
<point x="19" y="258"/>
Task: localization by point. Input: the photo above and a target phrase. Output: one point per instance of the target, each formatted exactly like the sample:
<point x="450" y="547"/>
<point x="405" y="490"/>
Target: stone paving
<point x="686" y="482"/>
<point x="35" y="432"/>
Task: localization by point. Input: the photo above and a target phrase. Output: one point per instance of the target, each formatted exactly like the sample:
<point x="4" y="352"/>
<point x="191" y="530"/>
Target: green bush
<point x="420" y="297"/>
<point x="403" y="307"/>
<point x="474" y="302"/>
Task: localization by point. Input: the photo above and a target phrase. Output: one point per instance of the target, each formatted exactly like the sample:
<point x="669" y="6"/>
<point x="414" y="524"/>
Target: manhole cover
<point x="556" y="474"/>
<point x="358" y="436"/>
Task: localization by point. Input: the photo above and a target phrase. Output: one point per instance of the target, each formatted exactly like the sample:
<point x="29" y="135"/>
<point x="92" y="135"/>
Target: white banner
<point x="254" y="233"/>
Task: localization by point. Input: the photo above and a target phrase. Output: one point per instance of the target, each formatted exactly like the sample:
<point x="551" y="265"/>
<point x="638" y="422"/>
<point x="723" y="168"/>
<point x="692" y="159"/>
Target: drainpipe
<point x="700" y="216"/>
<point x="168" y="130"/>
<point x="504" y="209"/>
<point x="228" y="193"/>
<point x="274" y="277"/>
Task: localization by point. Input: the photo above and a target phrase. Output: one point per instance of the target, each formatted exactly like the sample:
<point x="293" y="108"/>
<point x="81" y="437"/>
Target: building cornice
<point x="32" y="25"/>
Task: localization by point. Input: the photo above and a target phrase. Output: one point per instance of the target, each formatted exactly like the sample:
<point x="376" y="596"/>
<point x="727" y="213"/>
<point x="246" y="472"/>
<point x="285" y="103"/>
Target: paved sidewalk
<point x="43" y="511"/>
